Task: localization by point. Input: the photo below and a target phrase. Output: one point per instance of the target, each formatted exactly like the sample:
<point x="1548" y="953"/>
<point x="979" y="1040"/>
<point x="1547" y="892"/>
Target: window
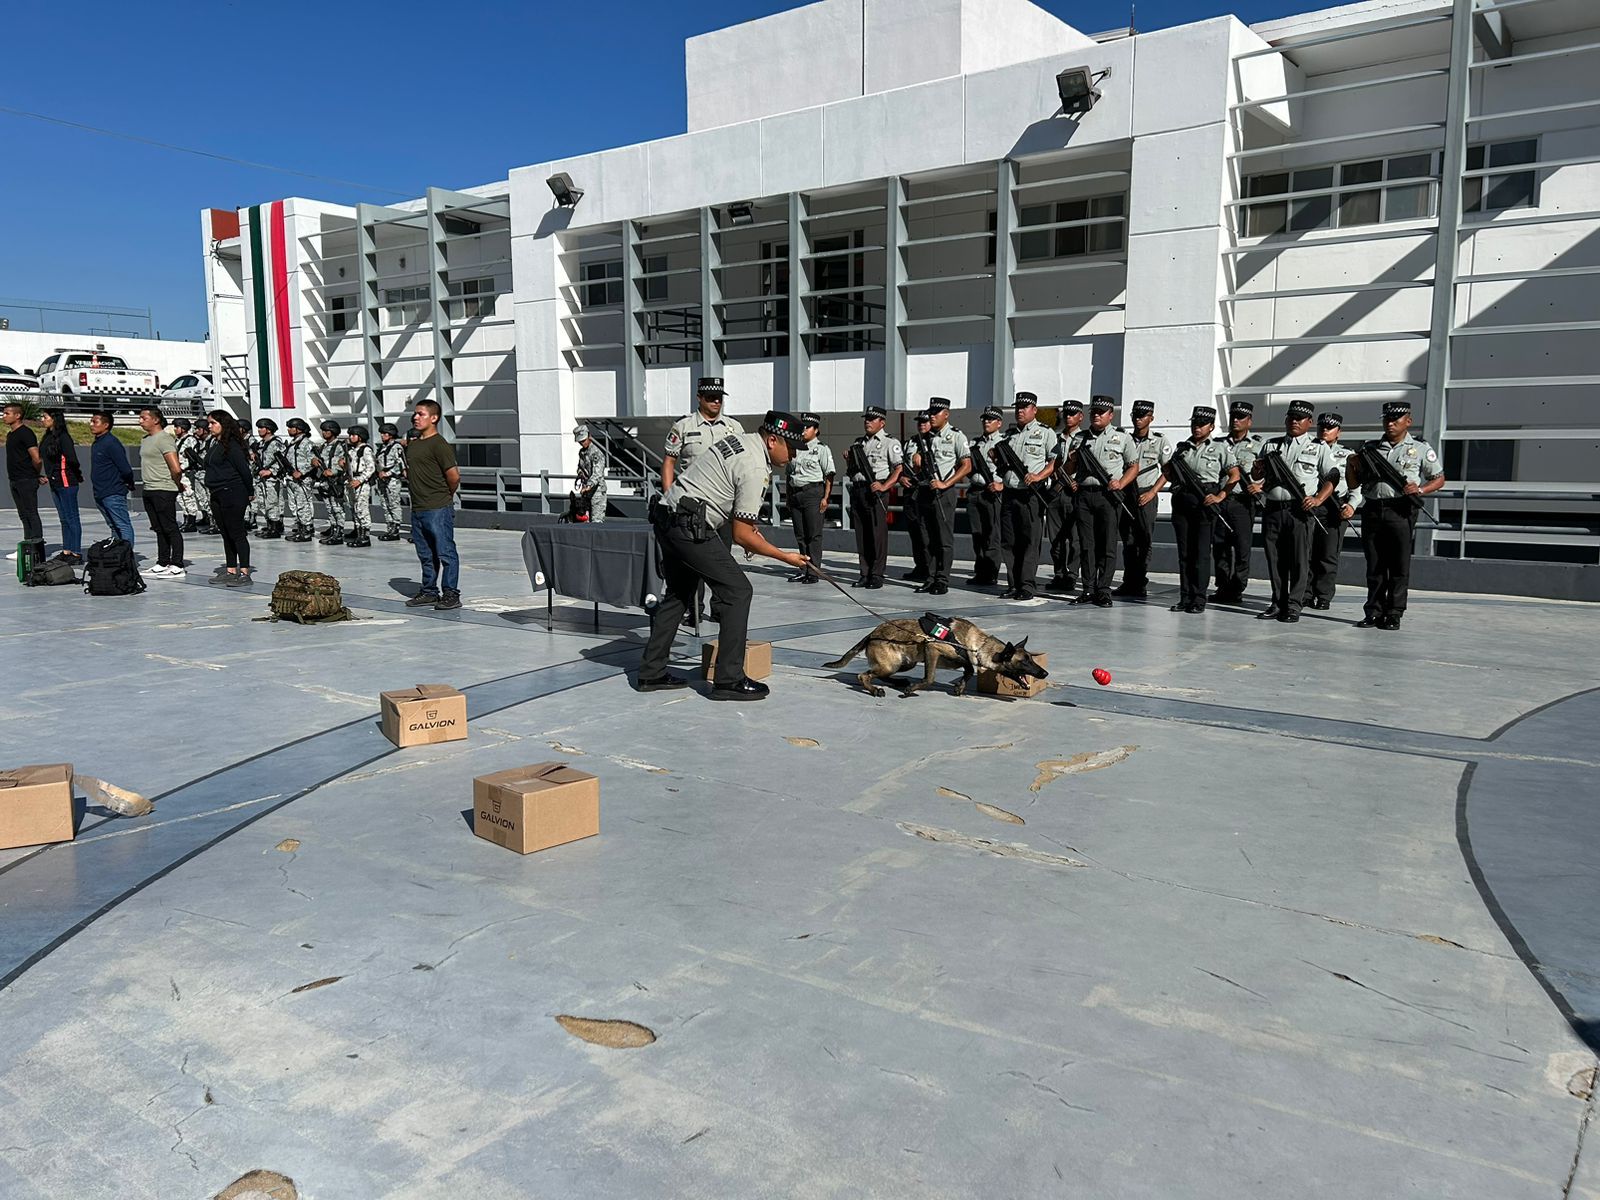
<point x="106" y="362"/>
<point x="479" y="454"/>
<point x="475" y="298"/>
<point x="1095" y="226"/>
<point x="403" y="306"/>
<point x="1490" y="460"/>
<point x="655" y="289"/>
<point x="339" y="312"/>
<point x="605" y="284"/>
<point x="1495" y="193"/>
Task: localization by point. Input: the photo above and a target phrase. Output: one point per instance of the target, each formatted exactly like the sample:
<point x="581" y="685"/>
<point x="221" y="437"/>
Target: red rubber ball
<point x="1102" y="676"/>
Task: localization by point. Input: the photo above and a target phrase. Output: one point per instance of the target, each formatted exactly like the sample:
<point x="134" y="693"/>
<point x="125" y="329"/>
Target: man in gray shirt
<point x="809" y="486"/>
<point x="723" y="487"/>
<point x="161" y="473"/>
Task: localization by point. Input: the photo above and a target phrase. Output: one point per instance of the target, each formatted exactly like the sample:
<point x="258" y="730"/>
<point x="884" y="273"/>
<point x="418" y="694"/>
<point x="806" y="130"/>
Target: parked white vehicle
<point x="93" y="374"/>
<point x="12" y="380"/>
<point x="196" y="385"/>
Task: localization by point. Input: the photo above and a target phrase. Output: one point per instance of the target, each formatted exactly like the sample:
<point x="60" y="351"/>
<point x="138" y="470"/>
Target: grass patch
<point x="130" y="435"/>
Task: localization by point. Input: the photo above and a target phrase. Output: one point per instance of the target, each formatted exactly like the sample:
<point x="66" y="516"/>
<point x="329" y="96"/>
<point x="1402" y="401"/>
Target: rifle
<point x="982" y="468"/>
<point x="1281" y="476"/>
<point x="924" y="474"/>
<point x="1011" y="461"/>
<point x="1190" y="482"/>
<point x="856" y="463"/>
<point x="1371" y="458"/>
<point x="1098" y="470"/>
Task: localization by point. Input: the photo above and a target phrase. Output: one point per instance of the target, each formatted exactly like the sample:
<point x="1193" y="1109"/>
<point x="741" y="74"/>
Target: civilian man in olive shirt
<point x="160" y="472"/>
<point x="431" y="468"/>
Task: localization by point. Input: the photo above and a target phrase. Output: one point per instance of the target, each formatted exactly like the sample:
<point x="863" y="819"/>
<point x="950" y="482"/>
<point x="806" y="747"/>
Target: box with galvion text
<point x="423" y="715"/>
<point x="533" y="808"/>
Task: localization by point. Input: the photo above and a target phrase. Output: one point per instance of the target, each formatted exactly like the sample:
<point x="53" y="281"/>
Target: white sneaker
<point x="12" y="557"/>
<point x="176" y="572"/>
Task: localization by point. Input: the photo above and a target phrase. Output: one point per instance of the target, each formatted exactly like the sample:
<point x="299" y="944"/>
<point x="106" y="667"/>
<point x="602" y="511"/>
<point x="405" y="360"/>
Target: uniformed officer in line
<point x="269" y="479"/>
<point x="252" y="452"/>
<point x="590" y="485"/>
<point x="361" y="468"/>
<point x="329" y="454"/>
<point x="1212" y="464"/>
<point x="1139" y="530"/>
<point x="950" y="456"/>
<point x="910" y="510"/>
<point x="1389" y="519"/>
<point x="391" y="453"/>
<point x="202" y="494"/>
<point x="1100" y="507"/>
<point x="183" y="440"/>
<point x="724" y="486"/>
<point x="297" y="499"/>
<point x="1230" y="545"/>
<point x="1061" y="508"/>
<point x="1341" y="506"/>
<point x="691" y="437"/>
<point x="1287" y="521"/>
<point x="1022" y="502"/>
<point x="983" y="501"/>
<point x="873" y="465"/>
<point x="808" y="487"/>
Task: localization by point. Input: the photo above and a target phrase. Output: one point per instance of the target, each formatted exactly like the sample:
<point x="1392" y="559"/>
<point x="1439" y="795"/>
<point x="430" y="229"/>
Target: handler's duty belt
<point x="689" y="517"/>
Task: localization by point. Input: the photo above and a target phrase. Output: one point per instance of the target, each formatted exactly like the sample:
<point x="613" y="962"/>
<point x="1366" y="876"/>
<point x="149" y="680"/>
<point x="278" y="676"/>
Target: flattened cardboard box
<point x="757" y="659"/>
<point x="533" y="808"/>
<point x="992" y="684"/>
<point x="423" y="715"/>
<point x="35" y="805"/>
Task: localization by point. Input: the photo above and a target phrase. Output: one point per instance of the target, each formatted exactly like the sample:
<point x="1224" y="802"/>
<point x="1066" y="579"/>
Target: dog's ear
<point x="1022" y="646"/>
<point x="1007" y="651"/>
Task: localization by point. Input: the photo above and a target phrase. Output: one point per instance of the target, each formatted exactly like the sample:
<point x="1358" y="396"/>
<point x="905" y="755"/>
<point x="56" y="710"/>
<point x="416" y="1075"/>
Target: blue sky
<point x="444" y="94"/>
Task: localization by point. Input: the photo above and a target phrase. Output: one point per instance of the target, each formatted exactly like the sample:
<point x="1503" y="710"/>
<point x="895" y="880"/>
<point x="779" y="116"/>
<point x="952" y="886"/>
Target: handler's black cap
<point x="784" y="425"/>
<point x="329" y="426"/>
<point x="873" y="412"/>
<point x="710" y="385"/>
<point x="1396" y="408"/>
<point x="1330" y="420"/>
<point x="267" y="423"/>
<point x="1142" y="407"/>
<point x="1102" y="403"/>
<point x="1203" y="414"/>
<point x="390" y="428"/>
<point x="1024" y="399"/>
<point x="938" y="404"/>
<point x="1300" y="410"/>
<point x="993" y="414"/>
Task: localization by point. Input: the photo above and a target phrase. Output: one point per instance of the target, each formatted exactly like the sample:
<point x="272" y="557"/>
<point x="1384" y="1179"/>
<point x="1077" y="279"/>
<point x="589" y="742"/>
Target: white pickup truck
<point x="95" y="376"/>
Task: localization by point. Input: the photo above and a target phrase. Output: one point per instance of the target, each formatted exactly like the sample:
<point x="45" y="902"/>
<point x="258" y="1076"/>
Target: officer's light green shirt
<point x="1309" y="459"/>
<point x="811" y="463"/>
<point x="1414" y="459"/>
<point x="949" y="446"/>
<point x="1210" y="460"/>
<point x="1154" y="451"/>
<point x="693" y="435"/>
<point x="1113" y="448"/>
<point x="883" y="455"/>
<point x="731" y="478"/>
<point x="1034" y="443"/>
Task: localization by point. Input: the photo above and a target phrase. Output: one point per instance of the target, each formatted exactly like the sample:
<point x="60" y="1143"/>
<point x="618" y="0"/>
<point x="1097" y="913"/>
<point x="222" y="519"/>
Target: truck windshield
<point x="109" y="362"/>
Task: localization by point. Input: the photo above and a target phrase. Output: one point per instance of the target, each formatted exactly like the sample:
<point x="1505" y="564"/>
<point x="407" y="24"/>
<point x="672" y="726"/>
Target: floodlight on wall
<point x="561" y="188"/>
<point x="1076" y="88"/>
<point x="741" y="214"/>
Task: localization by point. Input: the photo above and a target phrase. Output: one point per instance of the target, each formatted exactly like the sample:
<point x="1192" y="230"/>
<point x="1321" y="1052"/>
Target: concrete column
<point x="632" y="363"/>
<point x="799" y="324"/>
<point x="710" y="294"/>
<point x="444" y="381"/>
<point x="894" y="304"/>
<point x="369" y="311"/>
<point x="1004" y="256"/>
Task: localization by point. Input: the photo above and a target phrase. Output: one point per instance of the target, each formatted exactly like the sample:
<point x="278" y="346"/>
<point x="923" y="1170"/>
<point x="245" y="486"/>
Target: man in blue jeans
<point x="431" y="468"/>
<point x="111" y="476"/>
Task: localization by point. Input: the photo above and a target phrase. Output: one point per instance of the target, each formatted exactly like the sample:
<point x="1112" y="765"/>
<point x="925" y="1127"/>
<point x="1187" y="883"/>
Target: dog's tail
<point x="850" y="653"/>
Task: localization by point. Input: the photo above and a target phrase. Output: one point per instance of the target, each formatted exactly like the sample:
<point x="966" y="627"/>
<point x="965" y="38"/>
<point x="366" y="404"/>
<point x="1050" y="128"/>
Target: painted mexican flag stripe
<point x="280" y="305"/>
<point x="258" y="298"/>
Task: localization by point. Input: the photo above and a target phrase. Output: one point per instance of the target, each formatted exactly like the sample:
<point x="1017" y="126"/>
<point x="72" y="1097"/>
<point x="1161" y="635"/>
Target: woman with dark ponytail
<point x="59" y="459"/>
<point x="231" y="484"/>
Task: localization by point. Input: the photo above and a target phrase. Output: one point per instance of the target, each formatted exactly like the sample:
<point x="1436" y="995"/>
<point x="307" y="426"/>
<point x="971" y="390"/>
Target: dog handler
<point x="723" y="486"/>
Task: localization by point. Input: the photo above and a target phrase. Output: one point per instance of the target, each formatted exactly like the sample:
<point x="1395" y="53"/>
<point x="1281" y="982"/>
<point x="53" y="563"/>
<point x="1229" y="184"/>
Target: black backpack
<point x="111" y="570"/>
<point x="52" y="573"/>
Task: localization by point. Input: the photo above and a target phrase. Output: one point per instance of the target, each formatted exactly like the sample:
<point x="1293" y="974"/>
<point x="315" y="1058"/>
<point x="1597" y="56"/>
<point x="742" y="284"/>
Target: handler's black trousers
<point x="1022" y="515"/>
<point x="1286" y="535"/>
<point x="685" y="565"/>
<point x="869" y="515"/>
<point x="805" y="516"/>
<point x="1138" y="531"/>
<point x="983" y="512"/>
<point x="1097" y="539"/>
<point x="911" y="510"/>
<point x="1230" y="550"/>
<point x="1192" y="523"/>
<point x="1062" y="517"/>
<point x="1387" y="530"/>
<point x="1325" y="549"/>
<point x="939" y="528"/>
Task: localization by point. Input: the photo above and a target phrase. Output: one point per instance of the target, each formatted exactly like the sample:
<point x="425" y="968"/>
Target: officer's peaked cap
<point x="784" y="425"/>
<point x="710" y="385"/>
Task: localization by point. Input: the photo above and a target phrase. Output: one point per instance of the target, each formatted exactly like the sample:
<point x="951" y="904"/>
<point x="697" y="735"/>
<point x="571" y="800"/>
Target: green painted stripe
<point x="258" y="296"/>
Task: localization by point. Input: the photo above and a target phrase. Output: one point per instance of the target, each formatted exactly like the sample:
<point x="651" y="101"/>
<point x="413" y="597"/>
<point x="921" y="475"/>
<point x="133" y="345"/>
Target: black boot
<point x="269" y="530"/>
<point x="188" y="525"/>
<point x="331" y="536"/>
<point x="392" y="534"/>
<point x="359" y="539"/>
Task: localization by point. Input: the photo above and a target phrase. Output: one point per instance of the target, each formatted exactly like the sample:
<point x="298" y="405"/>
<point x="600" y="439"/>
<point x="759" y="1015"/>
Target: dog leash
<point x="838" y="587"/>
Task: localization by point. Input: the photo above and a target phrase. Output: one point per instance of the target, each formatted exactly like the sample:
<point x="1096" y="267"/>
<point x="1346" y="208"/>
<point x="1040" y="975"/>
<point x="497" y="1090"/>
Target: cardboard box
<point x="423" y="715"/>
<point x="533" y="808"/>
<point x="992" y="684"/>
<point x="757" y="659"/>
<point x="35" y="805"/>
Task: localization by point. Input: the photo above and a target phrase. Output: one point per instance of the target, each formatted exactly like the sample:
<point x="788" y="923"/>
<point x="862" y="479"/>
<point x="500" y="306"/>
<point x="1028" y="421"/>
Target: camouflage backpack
<point x="307" y="596"/>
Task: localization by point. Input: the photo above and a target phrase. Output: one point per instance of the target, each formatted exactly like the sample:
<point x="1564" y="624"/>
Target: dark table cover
<point x="613" y="563"/>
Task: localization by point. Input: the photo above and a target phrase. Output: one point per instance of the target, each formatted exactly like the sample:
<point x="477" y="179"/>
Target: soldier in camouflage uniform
<point x="330" y="481"/>
<point x="269" y="478"/>
<point x="361" y="466"/>
<point x="196" y="463"/>
<point x="258" y="498"/>
<point x="184" y="441"/>
<point x="391" y="452"/>
<point x="297" y="483"/>
<point x="589" y="489"/>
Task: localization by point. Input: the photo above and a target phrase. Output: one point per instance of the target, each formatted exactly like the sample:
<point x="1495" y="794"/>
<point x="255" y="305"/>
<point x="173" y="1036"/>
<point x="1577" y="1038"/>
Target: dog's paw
<point x="959" y="689"/>
<point x="878" y="692"/>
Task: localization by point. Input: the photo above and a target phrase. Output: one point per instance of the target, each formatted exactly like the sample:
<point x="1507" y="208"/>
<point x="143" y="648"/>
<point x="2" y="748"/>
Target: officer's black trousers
<point x="1062" y="517"/>
<point x="685" y="565"/>
<point x="1230" y="549"/>
<point x="1192" y="523"/>
<point x="939" y="528"/>
<point x="1325" y="549"/>
<point x="805" y="515"/>
<point x="1097" y="539"/>
<point x="983" y="513"/>
<point x="1138" y="531"/>
<point x="1387" y="530"/>
<point x="1286" y="535"/>
<point x="1022" y="515"/>
<point x="911" y="510"/>
<point x="869" y="515"/>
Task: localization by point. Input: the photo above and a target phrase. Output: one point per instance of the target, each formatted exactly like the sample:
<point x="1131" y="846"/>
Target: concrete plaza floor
<point x="1283" y="911"/>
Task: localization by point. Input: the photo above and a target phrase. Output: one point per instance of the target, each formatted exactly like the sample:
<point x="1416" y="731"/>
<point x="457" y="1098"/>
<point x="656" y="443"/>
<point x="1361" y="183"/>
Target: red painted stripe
<point x="280" y="304"/>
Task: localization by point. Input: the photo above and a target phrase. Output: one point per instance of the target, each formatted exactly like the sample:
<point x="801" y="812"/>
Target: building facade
<point x="876" y="202"/>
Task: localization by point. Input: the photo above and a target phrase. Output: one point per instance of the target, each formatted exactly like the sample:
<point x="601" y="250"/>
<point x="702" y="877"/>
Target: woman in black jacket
<point x="58" y="458"/>
<point x="229" y="480"/>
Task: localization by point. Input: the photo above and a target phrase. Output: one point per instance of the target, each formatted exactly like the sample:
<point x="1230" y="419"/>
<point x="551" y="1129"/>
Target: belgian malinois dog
<point x="897" y="646"/>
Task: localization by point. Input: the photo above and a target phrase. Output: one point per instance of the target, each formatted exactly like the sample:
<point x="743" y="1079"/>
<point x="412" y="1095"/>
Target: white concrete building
<point x="879" y="202"/>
